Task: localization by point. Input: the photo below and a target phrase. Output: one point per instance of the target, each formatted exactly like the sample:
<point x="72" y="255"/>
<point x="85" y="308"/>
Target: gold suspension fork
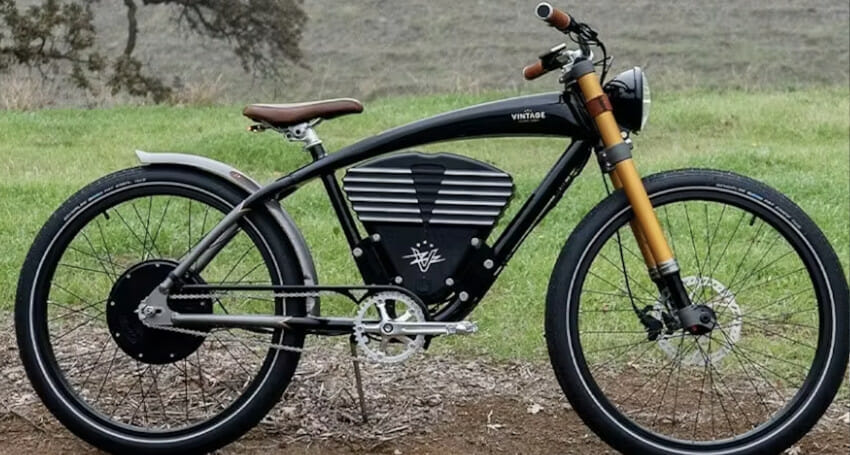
<point x="617" y="161"/>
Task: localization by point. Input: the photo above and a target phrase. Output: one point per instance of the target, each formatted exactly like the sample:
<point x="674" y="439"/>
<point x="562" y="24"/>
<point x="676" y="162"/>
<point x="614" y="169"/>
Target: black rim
<point x="780" y="349"/>
<point x="152" y="395"/>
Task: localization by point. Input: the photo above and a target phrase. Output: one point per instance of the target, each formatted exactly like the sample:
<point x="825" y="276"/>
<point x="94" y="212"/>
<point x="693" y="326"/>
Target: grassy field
<point x="795" y="141"/>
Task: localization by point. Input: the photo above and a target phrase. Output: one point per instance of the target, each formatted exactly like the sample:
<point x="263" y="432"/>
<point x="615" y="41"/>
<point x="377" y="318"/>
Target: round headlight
<point x="630" y="98"/>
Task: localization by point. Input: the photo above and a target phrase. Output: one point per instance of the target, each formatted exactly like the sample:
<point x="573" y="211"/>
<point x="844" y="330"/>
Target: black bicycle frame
<point x="551" y="114"/>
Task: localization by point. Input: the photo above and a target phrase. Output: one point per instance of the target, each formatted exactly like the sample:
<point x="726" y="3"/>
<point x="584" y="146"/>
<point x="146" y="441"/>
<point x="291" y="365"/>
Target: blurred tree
<point x="261" y="32"/>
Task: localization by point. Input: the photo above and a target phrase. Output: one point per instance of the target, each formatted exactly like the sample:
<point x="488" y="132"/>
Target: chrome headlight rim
<point x="645" y="97"/>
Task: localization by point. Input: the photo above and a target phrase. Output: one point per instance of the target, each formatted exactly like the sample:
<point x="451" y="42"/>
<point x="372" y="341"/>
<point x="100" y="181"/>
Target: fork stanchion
<point x="648" y="258"/>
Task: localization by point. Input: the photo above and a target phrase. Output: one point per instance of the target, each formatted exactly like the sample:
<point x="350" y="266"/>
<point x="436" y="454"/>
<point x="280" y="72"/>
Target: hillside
<point x="373" y="48"/>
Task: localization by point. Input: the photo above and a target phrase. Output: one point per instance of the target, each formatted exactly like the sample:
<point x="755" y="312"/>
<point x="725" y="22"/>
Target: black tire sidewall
<point x="579" y="252"/>
<point x="277" y="370"/>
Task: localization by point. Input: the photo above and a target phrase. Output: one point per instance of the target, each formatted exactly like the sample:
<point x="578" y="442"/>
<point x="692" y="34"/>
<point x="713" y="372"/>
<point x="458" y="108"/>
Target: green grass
<point x="796" y="142"/>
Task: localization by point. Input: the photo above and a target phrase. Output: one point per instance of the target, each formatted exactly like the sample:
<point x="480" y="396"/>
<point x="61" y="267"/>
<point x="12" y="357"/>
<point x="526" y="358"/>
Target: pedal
<point x="461" y="328"/>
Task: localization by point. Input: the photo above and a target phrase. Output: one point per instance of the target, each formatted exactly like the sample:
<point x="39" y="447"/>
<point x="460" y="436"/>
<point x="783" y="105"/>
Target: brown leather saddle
<point x="283" y="115"/>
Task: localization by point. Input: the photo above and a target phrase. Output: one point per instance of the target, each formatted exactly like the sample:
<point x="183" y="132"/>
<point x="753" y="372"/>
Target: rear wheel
<point x="757" y="382"/>
<point x="123" y="386"/>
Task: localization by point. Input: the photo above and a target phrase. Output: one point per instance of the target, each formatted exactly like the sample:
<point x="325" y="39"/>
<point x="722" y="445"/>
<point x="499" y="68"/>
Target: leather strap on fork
<point x="598" y="105"/>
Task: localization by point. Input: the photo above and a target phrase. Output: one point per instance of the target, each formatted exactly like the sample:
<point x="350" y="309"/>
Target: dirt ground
<point x="433" y="404"/>
<point x="491" y="425"/>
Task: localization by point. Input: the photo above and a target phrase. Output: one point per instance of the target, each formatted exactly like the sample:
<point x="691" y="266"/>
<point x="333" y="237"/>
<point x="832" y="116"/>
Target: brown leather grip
<point x="553" y="16"/>
<point x="533" y="71"/>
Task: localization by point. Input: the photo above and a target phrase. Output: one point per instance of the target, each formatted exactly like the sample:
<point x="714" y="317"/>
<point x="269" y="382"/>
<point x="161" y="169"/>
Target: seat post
<point x="304" y="132"/>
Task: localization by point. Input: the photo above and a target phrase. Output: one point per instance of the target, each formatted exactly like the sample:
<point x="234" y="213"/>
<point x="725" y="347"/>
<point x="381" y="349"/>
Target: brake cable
<point x="585" y="36"/>
<point x="652" y="325"/>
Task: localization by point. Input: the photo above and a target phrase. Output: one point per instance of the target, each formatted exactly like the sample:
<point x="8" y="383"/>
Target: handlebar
<point x="557" y="57"/>
<point x="534" y="71"/>
<point x="555" y="17"/>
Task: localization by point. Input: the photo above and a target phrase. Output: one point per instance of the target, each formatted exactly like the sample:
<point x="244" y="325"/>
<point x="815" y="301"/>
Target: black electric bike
<point x="163" y="309"/>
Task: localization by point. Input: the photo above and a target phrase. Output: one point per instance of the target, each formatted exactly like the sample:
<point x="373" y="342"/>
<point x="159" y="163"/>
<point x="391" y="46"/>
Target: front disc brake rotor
<point x="722" y="302"/>
<point x="143" y="343"/>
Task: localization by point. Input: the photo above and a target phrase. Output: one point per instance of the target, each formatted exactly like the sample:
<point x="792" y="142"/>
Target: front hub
<point x="698" y="319"/>
<point x="715" y="325"/>
<point x="143" y="343"/>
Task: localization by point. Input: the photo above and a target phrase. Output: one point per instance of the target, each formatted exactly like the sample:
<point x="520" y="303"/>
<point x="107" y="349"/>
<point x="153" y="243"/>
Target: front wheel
<point x="759" y="380"/>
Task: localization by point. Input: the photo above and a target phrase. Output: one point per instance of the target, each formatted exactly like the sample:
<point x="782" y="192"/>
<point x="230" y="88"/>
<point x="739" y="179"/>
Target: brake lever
<point x="552" y="58"/>
<point x="570" y="57"/>
<point x="559" y="57"/>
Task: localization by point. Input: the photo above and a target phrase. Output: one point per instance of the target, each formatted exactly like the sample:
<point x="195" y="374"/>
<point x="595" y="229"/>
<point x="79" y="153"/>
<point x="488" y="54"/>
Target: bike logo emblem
<point x="528" y="116"/>
<point x="424" y="258"/>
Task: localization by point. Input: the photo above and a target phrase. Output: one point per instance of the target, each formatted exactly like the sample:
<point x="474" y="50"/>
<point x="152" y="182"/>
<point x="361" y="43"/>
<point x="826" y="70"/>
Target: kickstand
<point x="357" y="379"/>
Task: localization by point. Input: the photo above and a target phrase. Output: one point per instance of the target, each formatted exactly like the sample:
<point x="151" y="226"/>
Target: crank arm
<point x="421" y="328"/>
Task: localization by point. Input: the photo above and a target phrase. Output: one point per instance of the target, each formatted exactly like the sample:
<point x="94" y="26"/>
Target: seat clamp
<point x="608" y="158"/>
<point x="303" y="132"/>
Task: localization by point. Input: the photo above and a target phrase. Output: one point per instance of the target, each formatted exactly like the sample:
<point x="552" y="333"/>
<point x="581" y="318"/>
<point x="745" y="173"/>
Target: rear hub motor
<point x="143" y="343"/>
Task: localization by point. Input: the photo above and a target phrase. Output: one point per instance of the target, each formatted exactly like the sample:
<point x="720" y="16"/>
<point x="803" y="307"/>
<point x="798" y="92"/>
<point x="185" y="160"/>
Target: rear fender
<point x="249" y="185"/>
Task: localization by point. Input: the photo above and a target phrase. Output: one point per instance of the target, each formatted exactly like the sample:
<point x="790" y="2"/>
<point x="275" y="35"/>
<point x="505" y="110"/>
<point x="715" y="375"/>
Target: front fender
<point x="234" y="176"/>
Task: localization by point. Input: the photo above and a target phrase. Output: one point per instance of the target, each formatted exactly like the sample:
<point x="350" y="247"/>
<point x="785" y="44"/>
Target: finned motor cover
<point x="427" y="209"/>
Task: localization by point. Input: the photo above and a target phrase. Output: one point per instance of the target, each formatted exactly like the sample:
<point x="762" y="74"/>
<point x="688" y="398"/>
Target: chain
<point x="218" y="294"/>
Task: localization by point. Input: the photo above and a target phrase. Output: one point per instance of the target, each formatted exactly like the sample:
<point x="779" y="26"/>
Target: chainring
<point x="388" y="307"/>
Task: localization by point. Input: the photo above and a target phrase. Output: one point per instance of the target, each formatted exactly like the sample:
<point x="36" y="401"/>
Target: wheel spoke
<point x="159" y="226"/>
<point x="100" y="261"/>
<point x="73" y="311"/>
<point x="693" y="241"/>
